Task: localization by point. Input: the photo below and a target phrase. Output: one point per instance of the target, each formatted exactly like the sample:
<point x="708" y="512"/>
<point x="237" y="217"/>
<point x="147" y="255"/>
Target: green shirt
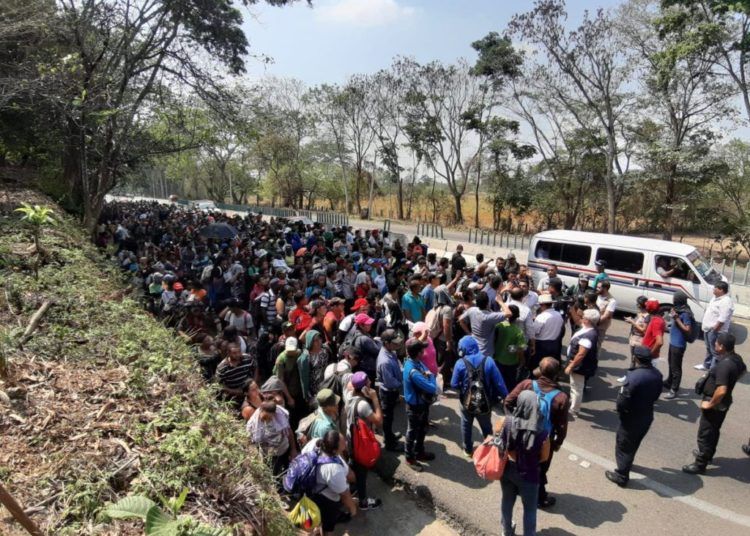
<point x="321" y="425"/>
<point x="506" y="335"/>
<point x="599" y="277"/>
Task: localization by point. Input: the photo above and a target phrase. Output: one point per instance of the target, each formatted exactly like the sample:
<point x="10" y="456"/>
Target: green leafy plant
<point x="162" y="522"/>
<point x="37" y="217"/>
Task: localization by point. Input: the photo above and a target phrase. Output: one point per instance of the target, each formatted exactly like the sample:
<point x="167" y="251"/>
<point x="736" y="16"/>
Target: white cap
<point x="291" y="343"/>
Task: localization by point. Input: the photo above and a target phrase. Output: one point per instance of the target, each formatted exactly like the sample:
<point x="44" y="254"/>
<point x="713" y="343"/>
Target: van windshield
<point x="703" y="267"/>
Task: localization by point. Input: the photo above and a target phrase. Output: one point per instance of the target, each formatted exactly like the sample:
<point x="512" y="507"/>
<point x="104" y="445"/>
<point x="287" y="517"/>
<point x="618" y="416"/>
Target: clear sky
<point x="338" y="38"/>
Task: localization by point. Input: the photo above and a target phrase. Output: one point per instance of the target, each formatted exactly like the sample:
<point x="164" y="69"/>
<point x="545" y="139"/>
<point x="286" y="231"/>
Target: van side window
<point x="567" y="253"/>
<point x="669" y="266"/>
<point x="621" y="260"/>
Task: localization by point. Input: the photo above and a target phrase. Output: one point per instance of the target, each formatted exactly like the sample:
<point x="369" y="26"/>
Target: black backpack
<point x="693" y="334"/>
<point x="475" y="400"/>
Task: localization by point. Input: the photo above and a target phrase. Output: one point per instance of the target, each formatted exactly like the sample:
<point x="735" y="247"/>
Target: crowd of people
<point x="318" y="335"/>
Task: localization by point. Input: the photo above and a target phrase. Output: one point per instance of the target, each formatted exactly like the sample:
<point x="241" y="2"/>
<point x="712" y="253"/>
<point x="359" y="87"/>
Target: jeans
<point x="709" y="430"/>
<point x="710" y="339"/>
<point x="577" y="383"/>
<point x="674" y="376"/>
<point x="467" y="427"/>
<point x="632" y="430"/>
<point x="512" y="486"/>
<point x="388" y="402"/>
<point x="360" y="481"/>
<point x="417" y="418"/>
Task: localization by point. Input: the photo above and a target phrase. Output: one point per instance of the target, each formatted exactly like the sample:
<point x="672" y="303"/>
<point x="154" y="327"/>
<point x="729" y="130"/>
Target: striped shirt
<point x="236" y="377"/>
<point x="268" y="305"/>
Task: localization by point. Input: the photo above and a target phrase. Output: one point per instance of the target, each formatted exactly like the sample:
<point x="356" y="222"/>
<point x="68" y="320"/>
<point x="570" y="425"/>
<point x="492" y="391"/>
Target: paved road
<point x="660" y="498"/>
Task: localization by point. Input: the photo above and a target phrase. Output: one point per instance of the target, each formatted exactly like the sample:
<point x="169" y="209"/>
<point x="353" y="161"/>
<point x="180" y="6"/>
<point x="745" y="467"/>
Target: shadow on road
<point x="584" y="511"/>
<point x="670" y="476"/>
<point x="685" y="409"/>
<point x="735" y="468"/>
<point x="554" y="532"/>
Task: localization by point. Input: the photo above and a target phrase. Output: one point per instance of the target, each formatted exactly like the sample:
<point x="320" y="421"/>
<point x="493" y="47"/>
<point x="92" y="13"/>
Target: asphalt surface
<point x="660" y="499"/>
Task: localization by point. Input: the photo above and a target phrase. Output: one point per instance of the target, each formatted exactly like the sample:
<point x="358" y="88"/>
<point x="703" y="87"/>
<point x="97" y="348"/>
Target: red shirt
<point x="300" y="318"/>
<point x="656" y="327"/>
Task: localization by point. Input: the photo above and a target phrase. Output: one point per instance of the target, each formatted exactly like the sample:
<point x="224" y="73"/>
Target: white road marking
<point x="663" y="489"/>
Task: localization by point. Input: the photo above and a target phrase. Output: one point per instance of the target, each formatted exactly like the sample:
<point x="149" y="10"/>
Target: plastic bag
<point x="306" y="515"/>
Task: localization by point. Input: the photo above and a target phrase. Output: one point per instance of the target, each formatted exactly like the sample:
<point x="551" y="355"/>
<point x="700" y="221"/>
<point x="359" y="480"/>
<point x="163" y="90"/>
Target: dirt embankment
<point x="103" y="402"/>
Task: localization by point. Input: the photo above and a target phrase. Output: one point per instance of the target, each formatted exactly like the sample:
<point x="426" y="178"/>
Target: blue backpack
<point x="302" y="475"/>
<point x="545" y="405"/>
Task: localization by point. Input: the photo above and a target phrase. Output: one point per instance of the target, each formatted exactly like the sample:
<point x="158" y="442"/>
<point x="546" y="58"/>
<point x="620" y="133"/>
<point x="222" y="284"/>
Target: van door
<point x="625" y="269"/>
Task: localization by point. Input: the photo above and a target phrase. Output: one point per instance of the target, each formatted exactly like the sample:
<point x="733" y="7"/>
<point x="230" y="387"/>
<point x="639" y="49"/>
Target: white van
<point x="204" y="205"/>
<point x="631" y="265"/>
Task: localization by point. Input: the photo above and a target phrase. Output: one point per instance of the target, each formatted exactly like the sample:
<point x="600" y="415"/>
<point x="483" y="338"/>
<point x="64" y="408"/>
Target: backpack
<point x="692" y="335"/>
<point x="545" y="405"/>
<point x="303" y="428"/>
<point x="333" y="382"/>
<point x="475" y="400"/>
<point x="302" y="475"/>
<point x="351" y="341"/>
<point x="365" y="447"/>
<point x="433" y="322"/>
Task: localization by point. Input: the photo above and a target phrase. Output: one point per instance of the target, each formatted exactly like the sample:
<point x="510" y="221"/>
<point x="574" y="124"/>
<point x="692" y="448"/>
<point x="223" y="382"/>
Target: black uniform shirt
<point x="639" y="391"/>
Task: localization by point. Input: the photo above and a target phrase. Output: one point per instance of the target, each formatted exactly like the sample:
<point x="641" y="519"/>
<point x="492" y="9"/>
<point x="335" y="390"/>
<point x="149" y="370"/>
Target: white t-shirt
<point x="243" y="322"/>
<point x="330" y="475"/>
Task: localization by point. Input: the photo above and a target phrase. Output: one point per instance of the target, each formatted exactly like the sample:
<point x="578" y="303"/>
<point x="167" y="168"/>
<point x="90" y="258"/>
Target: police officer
<point x="635" y="405"/>
<point x="717" y="397"/>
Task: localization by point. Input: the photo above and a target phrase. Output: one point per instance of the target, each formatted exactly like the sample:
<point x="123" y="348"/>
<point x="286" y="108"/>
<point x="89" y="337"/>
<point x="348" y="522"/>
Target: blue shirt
<point x="389" y="375"/>
<point x="415" y="306"/>
<point x="418" y="383"/>
<point x="428" y="295"/>
<point x="493" y="380"/>
<point x="676" y="335"/>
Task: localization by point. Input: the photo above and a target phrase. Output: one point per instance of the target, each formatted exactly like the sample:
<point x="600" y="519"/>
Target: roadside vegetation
<point x="102" y="402"/>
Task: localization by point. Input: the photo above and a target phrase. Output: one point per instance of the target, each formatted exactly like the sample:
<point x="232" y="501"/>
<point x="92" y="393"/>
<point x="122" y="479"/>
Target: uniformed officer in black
<point x="635" y="405"/>
<point x="717" y="397"/>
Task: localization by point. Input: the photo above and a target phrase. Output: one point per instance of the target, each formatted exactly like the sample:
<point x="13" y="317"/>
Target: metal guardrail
<point x="735" y="274"/>
<point x="337" y="219"/>
<point x="498" y="239"/>
<point x="386" y="225"/>
<point x="430" y="230"/>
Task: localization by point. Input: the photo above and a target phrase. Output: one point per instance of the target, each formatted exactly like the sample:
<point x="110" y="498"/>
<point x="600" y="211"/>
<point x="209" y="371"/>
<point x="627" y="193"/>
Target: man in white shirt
<point x="544" y="281"/>
<point x="606" y="305"/>
<point x="717" y="319"/>
<point x="547" y="326"/>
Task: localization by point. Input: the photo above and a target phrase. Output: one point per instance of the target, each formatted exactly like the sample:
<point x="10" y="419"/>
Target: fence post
<point x="723" y="265"/>
<point x="747" y="271"/>
<point x="734" y="270"/>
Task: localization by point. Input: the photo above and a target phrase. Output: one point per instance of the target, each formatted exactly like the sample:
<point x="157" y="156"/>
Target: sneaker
<point x="670" y="395"/>
<point x="746" y="449"/>
<point x="370" y="503"/>
<point x="547" y="502"/>
<point x="469" y="454"/>
<point x="414" y="465"/>
<point x="700" y="366"/>
<point x="397" y="435"/>
<point x="621" y="379"/>
<point x="572" y="415"/>
<point x="425" y="456"/>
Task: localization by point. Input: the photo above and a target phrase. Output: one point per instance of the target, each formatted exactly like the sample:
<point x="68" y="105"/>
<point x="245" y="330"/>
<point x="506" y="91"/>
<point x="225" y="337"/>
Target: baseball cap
<point x="359" y="380"/>
<point x="414" y="346"/>
<point x="390" y="335"/>
<point x="362" y="319"/>
<point x="642" y="353"/>
<point x="601" y="262"/>
<point x="326" y="397"/>
<point x="291" y="343"/>
<point x="652" y="306"/>
<point x="583" y="276"/>
<point x="178" y="287"/>
<point x="361" y="302"/>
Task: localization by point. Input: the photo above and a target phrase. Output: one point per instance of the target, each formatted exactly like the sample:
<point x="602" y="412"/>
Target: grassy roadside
<point x="103" y="401"/>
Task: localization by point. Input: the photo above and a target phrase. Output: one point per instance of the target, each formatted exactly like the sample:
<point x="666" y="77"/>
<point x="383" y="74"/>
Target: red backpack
<point x="365" y="447"/>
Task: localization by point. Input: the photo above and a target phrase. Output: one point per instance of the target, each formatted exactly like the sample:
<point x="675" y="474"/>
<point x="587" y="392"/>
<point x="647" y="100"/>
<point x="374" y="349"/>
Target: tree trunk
<point x="357" y="185"/>
<point x="669" y="202"/>
<point x="459" y="211"/>
<point x="476" y="193"/>
<point x="400" y="204"/>
<point x="611" y="201"/>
